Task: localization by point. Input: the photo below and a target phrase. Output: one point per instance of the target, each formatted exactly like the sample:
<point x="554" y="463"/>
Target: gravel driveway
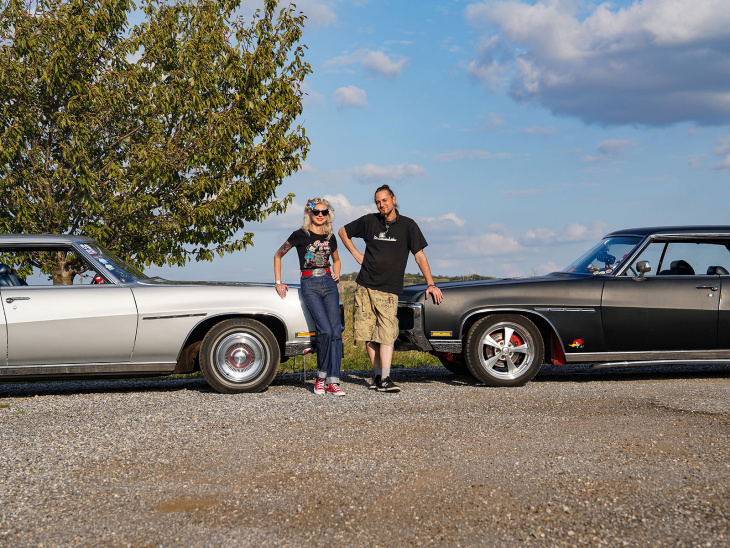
<point x="573" y="458"/>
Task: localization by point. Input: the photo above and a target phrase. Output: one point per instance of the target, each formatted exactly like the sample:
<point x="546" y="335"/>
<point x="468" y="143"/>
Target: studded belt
<point x="316" y="272"/>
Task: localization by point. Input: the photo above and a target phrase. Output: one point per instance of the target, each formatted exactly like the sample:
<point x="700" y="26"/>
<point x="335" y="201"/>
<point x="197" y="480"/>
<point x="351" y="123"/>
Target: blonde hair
<point x="308" y="220"/>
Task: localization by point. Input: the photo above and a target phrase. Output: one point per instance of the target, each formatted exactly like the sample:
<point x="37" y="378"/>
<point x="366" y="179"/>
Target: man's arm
<point x="350" y="245"/>
<point x="432" y="290"/>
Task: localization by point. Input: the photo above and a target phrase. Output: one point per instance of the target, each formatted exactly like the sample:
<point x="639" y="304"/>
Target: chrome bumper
<point x="411" y="335"/>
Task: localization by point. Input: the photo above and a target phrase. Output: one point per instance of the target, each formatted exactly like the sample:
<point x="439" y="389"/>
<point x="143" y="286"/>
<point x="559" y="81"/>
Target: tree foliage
<point x="160" y="140"/>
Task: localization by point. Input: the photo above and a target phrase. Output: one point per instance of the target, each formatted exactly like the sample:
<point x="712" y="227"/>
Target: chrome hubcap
<point x="240" y="357"/>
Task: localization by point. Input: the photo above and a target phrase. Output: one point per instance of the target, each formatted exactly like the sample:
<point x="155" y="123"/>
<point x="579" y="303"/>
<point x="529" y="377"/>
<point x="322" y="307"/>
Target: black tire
<point x="239" y="355"/>
<point x="457" y="366"/>
<point x="495" y="364"/>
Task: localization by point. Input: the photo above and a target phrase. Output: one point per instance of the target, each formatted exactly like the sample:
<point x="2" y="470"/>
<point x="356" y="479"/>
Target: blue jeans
<point x="323" y="301"/>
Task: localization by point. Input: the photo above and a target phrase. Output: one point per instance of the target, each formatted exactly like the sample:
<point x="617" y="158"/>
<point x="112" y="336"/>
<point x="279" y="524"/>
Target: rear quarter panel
<point x="168" y="313"/>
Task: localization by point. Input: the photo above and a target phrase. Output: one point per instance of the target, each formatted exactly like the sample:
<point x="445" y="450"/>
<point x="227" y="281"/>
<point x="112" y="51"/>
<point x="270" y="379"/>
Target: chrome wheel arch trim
<point x="231" y="316"/>
<point x="527" y="311"/>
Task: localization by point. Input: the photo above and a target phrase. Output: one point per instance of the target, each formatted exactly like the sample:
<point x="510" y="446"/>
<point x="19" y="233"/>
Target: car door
<point x="675" y="307"/>
<point x="69" y="324"/>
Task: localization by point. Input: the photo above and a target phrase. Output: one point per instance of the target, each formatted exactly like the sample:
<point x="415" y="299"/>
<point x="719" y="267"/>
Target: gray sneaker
<point x="387" y="385"/>
<point x="375" y="384"/>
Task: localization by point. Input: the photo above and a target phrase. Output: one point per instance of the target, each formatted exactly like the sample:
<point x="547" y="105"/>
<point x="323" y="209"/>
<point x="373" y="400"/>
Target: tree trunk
<point x="61" y="274"/>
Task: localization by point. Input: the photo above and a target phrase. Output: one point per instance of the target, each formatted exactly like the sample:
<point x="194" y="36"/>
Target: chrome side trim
<point x="65" y="369"/>
<point x="565" y="309"/>
<point x="175" y="316"/>
<point x="676" y="356"/>
<point x="414" y="338"/>
<point x="655" y="362"/>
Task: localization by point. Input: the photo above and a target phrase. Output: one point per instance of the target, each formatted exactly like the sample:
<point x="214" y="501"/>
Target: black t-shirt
<point x="314" y="249"/>
<point x="386" y="249"/>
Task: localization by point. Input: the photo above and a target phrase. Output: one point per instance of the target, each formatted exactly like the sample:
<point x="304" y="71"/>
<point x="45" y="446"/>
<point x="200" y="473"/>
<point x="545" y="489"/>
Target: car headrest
<point x="717" y="271"/>
<point x="681" y="267"/>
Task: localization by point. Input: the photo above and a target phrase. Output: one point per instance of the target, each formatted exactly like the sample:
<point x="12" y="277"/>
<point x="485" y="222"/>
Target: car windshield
<point x="605" y="257"/>
<point x="123" y="271"/>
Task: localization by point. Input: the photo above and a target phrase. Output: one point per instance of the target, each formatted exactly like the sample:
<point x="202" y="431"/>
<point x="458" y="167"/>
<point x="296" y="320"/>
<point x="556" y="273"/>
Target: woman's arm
<point x="336" y="266"/>
<point x="281" y="288"/>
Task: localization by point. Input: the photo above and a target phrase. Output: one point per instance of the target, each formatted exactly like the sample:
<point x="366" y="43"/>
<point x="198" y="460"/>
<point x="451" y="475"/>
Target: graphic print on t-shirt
<point x="317" y="255"/>
<point x="383" y="236"/>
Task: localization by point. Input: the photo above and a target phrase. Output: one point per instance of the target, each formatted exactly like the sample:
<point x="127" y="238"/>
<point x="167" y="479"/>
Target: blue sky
<point x="517" y="133"/>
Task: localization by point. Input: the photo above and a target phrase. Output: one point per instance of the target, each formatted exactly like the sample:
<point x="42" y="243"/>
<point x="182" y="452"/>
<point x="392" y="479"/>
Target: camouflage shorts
<point x="375" y="316"/>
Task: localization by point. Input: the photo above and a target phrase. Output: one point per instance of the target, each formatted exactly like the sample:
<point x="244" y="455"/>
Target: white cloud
<point x="614" y="147"/>
<point x="345" y="211"/>
<point x="457" y="155"/>
<point x="351" y="96"/>
<point x="723" y="149"/>
<point x="609" y="148"/>
<point x="654" y="62"/>
<point x="540" y="131"/>
<point x="317" y="12"/>
<point x="498" y="240"/>
<point x="568" y="234"/>
<point x="375" y="62"/>
<point x="311" y="97"/>
<point x="448" y="218"/>
<point x="379" y="64"/>
<point x="371" y="173"/>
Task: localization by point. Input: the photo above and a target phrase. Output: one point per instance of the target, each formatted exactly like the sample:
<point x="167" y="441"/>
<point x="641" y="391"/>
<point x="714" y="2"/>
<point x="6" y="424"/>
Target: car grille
<point x="405" y="318"/>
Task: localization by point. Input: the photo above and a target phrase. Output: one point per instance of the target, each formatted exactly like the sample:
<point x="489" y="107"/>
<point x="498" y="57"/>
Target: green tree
<point x="159" y="140"/>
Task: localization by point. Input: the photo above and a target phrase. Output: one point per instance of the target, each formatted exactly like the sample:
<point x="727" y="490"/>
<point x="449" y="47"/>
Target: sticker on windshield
<point x="108" y="266"/>
<point x="90" y="250"/>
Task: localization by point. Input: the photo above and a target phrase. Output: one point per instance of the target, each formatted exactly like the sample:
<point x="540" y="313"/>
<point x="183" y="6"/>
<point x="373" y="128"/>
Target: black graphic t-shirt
<point x="314" y="249"/>
<point x="386" y="249"/>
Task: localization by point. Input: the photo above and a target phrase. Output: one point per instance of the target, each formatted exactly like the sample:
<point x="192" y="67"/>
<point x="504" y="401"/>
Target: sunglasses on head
<point x="318" y="212"/>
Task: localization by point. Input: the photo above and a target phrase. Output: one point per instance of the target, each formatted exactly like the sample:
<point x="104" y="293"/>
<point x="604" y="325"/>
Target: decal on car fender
<point x="577" y="343"/>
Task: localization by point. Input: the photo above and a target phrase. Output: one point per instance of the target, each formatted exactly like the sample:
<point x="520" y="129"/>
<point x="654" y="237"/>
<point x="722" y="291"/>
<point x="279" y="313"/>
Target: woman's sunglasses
<point x="318" y="212"/>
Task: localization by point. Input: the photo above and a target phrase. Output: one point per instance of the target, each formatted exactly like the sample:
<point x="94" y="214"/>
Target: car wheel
<point x="239" y="356"/>
<point x="504" y="350"/>
<point x="457" y="365"/>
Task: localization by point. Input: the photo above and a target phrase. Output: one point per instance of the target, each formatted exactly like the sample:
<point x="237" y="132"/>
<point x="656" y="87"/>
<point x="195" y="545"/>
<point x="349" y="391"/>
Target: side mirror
<point x="642" y="267"/>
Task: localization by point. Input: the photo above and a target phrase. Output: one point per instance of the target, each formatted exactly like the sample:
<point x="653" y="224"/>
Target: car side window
<point x="695" y="258"/>
<point x="45" y="267"/>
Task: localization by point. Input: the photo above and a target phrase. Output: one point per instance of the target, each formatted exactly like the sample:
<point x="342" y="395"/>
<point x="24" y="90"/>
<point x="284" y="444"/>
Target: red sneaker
<point x="319" y="386"/>
<point x="335" y="390"/>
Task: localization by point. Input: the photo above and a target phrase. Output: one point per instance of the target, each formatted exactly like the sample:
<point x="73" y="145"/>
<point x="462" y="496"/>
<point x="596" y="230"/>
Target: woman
<point x="315" y="244"/>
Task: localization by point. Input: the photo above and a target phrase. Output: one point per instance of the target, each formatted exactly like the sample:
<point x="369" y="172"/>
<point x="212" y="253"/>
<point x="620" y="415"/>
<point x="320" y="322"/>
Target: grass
<point x="355" y="356"/>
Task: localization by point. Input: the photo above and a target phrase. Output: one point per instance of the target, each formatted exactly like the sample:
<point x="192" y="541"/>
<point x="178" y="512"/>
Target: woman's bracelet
<point x="278" y="282"/>
<point x="432" y="285"/>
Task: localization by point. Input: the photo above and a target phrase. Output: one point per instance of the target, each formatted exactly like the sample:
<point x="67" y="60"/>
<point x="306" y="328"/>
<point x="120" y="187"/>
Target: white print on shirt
<point x="383" y="236"/>
<point x="317" y="255"/>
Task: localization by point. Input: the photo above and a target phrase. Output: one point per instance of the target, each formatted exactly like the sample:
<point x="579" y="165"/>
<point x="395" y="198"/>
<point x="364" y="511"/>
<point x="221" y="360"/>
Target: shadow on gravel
<point x="417" y="375"/>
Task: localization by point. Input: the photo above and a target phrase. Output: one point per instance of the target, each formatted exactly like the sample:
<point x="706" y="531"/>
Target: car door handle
<point x="712" y="287"/>
<point x="11" y="299"/>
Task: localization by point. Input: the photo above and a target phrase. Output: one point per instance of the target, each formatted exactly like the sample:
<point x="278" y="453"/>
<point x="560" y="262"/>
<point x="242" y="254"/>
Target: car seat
<point x="7" y="278"/>
<point x="679" y="268"/>
<point x="717" y="271"/>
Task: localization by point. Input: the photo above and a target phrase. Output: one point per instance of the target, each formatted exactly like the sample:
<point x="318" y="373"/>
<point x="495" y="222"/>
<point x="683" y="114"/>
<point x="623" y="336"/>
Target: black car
<point x="641" y="296"/>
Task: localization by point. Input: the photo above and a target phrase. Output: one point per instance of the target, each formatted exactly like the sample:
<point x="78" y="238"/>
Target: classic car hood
<point x="411" y="291"/>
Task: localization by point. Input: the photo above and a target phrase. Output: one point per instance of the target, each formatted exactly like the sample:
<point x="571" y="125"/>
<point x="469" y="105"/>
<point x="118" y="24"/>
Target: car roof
<point x="43" y="239"/>
<point x="652" y="230"/>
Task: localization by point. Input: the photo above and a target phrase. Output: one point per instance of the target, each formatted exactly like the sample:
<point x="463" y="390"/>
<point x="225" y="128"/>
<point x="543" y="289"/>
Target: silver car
<point x="115" y="321"/>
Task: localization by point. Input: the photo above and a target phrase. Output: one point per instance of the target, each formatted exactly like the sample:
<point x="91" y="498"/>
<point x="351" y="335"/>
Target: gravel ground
<point x="575" y="457"/>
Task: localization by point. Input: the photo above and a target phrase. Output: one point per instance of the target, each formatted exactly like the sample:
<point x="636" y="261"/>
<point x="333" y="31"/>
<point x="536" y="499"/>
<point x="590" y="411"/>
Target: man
<point x="389" y="236"/>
